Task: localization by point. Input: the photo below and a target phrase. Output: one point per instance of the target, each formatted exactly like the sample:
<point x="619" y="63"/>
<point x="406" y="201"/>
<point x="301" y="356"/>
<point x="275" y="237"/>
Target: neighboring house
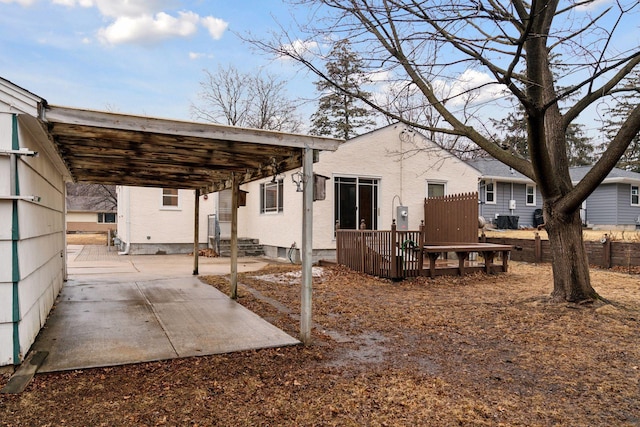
<point x="504" y="192"/>
<point x="90" y="208"/>
<point x="369" y="177"/>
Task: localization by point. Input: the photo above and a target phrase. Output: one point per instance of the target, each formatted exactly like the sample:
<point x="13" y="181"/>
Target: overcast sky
<point x="133" y="56"/>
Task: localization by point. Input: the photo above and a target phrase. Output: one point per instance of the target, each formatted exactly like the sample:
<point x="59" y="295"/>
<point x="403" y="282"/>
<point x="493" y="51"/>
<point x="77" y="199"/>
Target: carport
<point x="109" y="148"/>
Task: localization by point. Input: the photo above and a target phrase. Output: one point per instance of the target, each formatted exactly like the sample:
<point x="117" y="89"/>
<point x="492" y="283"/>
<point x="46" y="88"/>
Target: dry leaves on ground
<point x="477" y="350"/>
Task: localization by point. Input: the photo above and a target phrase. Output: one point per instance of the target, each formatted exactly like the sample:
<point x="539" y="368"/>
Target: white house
<point x="32" y="222"/>
<point x="370" y="176"/>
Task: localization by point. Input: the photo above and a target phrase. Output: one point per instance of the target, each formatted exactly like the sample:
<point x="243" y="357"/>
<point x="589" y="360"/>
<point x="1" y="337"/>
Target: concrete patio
<point x="119" y="309"/>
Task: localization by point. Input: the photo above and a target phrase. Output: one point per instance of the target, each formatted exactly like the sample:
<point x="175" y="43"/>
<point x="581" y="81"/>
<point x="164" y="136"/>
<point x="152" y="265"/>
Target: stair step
<point x="247" y="247"/>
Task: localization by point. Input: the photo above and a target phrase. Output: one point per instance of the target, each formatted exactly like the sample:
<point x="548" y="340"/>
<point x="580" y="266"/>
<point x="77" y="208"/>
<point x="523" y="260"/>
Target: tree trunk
<point x="571" y="281"/>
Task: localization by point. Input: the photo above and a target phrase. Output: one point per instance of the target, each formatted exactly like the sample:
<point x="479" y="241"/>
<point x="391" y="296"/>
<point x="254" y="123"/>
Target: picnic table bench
<point x="462" y="250"/>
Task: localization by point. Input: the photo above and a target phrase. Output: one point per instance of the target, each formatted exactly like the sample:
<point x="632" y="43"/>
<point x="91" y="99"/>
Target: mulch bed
<point x="478" y="350"/>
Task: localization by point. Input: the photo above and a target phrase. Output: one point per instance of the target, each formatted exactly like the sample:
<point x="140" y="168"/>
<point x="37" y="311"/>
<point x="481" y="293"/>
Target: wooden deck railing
<point x="391" y="253"/>
<point x="451" y="227"/>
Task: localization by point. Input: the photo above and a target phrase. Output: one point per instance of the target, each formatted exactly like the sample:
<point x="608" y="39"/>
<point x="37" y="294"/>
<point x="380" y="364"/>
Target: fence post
<point x="393" y="254"/>
<point x="538" y="248"/>
<point x="338" y="242"/>
<point x="606" y="252"/>
<point x="421" y="246"/>
<point x="363" y="252"/>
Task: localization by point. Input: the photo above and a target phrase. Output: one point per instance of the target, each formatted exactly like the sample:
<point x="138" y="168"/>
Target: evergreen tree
<point x="341" y="112"/>
<point x="616" y="115"/>
<point x="514" y="137"/>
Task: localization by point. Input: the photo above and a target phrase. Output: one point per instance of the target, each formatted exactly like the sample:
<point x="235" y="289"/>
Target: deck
<point x="387" y="254"/>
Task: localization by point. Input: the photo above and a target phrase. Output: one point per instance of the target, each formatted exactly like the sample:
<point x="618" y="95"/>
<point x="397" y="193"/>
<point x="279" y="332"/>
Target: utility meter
<point x="402" y="218"/>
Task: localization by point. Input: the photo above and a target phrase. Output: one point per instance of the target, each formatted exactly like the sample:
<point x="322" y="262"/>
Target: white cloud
<point x="144" y="21"/>
<point x="472" y="86"/>
<point x="20" y="2"/>
<point x="73" y="3"/>
<point x="299" y="47"/>
<point x="216" y="26"/>
<point x="595" y="4"/>
<point x="149" y="29"/>
<point x="130" y="8"/>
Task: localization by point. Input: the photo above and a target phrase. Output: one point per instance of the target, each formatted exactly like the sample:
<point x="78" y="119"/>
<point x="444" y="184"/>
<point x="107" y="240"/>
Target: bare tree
<point x="474" y="47"/>
<point x="244" y="99"/>
<point x="95" y="197"/>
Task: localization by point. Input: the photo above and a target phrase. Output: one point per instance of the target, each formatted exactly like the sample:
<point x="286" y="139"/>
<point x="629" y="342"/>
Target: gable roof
<point x="15" y="99"/>
<point x="616" y="175"/>
<point x="493" y="169"/>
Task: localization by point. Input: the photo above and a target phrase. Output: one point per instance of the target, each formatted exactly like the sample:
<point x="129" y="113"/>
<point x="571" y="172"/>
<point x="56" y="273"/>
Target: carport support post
<point x="235" y="189"/>
<point x="307" y="247"/>
<point x="196" y="232"/>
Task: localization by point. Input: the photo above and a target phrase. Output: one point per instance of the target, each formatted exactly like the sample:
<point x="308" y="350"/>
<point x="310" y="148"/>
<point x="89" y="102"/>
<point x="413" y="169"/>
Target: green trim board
<point x="15" y="238"/>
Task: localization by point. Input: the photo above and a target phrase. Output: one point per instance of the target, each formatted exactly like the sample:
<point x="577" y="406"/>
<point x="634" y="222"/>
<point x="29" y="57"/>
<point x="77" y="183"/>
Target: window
<point x="271" y="200"/>
<point x="635" y="200"/>
<point x="435" y="189"/>
<point x="490" y="193"/>
<point x="531" y="195"/>
<point x="224" y="205"/>
<point x="106" y="218"/>
<point x="356" y="200"/>
<point x="169" y="198"/>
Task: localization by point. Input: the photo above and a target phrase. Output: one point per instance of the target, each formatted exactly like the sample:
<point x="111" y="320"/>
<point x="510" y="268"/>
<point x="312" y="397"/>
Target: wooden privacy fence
<point x="385" y="253"/>
<point x="451" y="219"/>
<point x="607" y="253"/>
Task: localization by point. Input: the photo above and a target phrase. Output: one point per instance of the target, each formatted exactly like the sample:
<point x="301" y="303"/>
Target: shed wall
<point x="31" y="260"/>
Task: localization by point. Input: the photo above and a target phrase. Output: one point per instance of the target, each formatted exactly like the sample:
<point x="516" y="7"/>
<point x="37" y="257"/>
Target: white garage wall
<point x="41" y="239"/>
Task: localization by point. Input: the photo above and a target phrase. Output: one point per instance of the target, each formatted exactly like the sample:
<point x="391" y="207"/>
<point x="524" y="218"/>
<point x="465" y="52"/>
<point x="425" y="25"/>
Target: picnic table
<point x="488" y="251"/>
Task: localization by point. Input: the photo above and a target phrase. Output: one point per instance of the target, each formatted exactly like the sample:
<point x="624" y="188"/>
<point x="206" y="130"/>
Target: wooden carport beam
<point x="235" y="189"/>
<point x="196" y="232"/>
<point x="306" y="300"/>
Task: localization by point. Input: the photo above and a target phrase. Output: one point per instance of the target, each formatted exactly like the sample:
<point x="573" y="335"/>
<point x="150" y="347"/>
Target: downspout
<point x="128" y="221"/>
<point x="15" y="238"/>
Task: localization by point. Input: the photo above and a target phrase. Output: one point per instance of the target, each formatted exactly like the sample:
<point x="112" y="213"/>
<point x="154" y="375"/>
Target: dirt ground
<point x="472" y="351"/>
<point x="86" y="239"/>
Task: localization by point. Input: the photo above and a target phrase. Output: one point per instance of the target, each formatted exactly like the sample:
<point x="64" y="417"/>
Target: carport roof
<point x="110" y="148"/>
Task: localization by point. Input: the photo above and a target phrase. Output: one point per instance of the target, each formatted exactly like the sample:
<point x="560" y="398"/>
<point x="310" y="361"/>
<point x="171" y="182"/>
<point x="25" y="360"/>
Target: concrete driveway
<point x="116" y="309"/>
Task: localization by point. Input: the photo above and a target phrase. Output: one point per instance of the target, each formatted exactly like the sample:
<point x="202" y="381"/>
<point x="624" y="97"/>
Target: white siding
<point x="40" y="245"/>
<point x="91" y="217"/>
<point x="142" y="220"/>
